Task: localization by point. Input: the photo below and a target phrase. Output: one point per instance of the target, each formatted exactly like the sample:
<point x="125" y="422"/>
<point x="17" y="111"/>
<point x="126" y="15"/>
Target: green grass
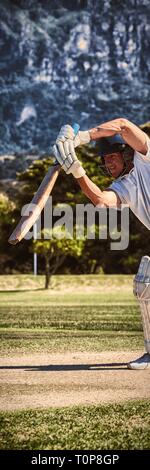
<point x="23" y="341"/>
<point x="115" y="426"/>
<point x="98" y="313"/>
<point x="79" y="313"/>
<point x="114" y="317"/>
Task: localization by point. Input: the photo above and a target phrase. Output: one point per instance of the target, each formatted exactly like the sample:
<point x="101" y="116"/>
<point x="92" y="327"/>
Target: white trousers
<point x="141" y="289"/>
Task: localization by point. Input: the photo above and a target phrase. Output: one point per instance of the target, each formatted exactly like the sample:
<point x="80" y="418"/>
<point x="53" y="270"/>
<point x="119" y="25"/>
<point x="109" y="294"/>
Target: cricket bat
<point x="39" y="200"/>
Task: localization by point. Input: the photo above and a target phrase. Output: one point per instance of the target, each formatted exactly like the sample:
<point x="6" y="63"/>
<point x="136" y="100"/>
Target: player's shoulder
<point x="140" y="157"/>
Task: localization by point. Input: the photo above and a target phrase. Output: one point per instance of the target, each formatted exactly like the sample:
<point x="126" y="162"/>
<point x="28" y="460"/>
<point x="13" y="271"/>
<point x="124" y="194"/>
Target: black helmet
<point x="108" y="145"/>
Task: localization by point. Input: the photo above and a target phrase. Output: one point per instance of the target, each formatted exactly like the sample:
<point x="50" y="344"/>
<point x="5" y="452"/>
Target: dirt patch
<point x="55" y="380"/>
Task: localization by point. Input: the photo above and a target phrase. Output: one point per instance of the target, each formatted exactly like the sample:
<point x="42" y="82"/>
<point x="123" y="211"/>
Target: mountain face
<point x="66" y="61"/>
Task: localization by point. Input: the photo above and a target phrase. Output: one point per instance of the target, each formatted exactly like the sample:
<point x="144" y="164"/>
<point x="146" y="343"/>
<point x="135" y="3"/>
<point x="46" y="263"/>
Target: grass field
<point x="78" y="313"/>
<point x="83" y="313"/>
<point x="94" y="427"/>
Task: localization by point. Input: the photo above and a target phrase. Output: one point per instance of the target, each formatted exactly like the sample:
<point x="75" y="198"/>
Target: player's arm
<point x="132" y="134"/>
<point x="99" y="198"/>
<point x="67" y="158"/>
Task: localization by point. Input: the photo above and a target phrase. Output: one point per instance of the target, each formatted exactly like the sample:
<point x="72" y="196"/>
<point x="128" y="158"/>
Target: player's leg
<point x="142" y="292"/>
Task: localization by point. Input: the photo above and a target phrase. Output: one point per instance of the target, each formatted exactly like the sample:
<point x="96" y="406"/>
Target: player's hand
<point x="109" y="129"/>
<point x="67" y="159"/>
<point x="67" y="133"/>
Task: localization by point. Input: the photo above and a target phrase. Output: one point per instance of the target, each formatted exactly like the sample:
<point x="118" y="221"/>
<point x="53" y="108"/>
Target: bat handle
<point x="76" y="128"/>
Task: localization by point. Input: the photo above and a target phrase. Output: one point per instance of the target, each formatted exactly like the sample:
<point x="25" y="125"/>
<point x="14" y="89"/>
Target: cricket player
<point x="125" y="155"/>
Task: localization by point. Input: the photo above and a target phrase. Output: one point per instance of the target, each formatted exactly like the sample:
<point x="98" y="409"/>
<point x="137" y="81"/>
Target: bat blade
<point x="39" y="200"/>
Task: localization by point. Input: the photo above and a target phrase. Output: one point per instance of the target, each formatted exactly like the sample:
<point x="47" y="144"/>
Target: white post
<point x="35" y="254"/>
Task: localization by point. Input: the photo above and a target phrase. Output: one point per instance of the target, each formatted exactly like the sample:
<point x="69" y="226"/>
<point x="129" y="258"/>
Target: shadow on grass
<point x="11" y="291"/>
<point x="69" y="367"/>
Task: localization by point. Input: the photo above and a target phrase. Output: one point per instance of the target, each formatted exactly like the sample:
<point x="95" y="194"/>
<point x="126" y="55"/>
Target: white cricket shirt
<point x="133" y="189"/>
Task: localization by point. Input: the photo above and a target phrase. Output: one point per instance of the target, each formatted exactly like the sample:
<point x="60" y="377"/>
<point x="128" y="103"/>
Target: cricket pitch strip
<point x="79" y="378"/>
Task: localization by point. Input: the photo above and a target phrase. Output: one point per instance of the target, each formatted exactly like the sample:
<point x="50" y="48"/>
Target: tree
<point x="6" y="209"/>
<point x="6" y="220"/>
<point x="56" y="249"/>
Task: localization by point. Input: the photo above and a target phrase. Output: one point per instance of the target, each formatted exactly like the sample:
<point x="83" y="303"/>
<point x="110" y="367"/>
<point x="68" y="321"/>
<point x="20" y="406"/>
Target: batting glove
<point x="67" y="133"/>
<point x="68" y="160"/>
